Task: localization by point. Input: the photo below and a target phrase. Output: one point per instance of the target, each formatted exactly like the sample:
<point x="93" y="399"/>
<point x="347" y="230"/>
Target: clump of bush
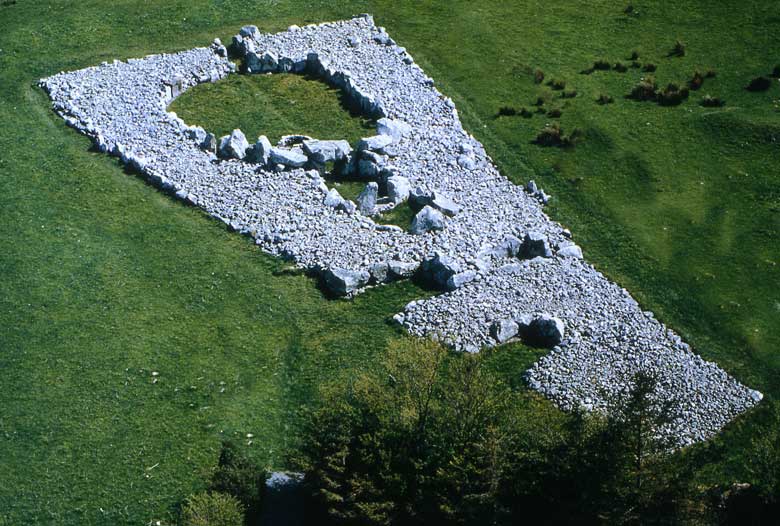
<point x="636" y="64"/>
<point x="506" y="111"/>
<point x="696" y="80"/>
<point x="241" y="478"/>
<point x="557" y="84"/>
<point x="645" y="89"/>
<point x="602" y="65"/>
<point x="672" y="95"/>
<point x="634" y="55"/>
<point x="538" y="76"/>
<point x="212" y="509"/>
<point x="553" y="135"/>
<point x="569" y="94"/>
<point x="711" y="74"/>
<point x="775" y="72"/>
<point x="526" y="113"/>
<point x="540" y="101"/>
<point x="436" y="438"/>
<point x="708" y="101"/>
<point x="649" y="67"/>
<point x="759" y="84"/>
<point x="555" y="113"/>
<point x="604" y="99"/>
<point x="678" y="50"/>
<point x="620" y="67"/>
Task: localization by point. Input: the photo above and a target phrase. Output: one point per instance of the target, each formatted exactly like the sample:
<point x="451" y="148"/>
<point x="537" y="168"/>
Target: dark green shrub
<point x="759" y="84"/>
<point x="540" y="101"/>
<point x="678" y="50"/>
<point x="776" y="72"/>
<point x="526" y="113"/>
<point x="553" y="135"/>
<point x="708" y="101"/>
<point x="645" y="89"/>
<point x="620" y="67"/>
<point x="538" y="76"/>
<point x="241" y="478"/>
<point x="629" y="10"/>
<point x="672" y="95"/>
<point x="555" y="113"/>
<point x="506" y="111"/>
<point x="634" y="55"/>
<point x="636" y="64"/>
<point x="696" y="80"/>
<point x="602" y="65"/>
<point x="212" y="509"/>
<point x="557" y="84"/>
<point x="711" y="74"/>
<point x="649" y="67"/>
<point x="604" y="99"/>
<point x="569" y="94"/>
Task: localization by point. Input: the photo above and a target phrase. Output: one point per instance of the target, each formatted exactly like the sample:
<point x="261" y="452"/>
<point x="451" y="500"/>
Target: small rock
<point x="545" y="331"/>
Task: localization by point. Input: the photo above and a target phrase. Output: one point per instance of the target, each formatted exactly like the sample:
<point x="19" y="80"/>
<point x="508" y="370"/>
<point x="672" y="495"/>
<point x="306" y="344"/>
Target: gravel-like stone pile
<point x="510" y="270"/>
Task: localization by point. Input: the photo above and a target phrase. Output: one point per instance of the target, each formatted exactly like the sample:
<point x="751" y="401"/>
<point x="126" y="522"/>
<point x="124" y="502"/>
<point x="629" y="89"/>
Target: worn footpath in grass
<point x="106" y="281"/>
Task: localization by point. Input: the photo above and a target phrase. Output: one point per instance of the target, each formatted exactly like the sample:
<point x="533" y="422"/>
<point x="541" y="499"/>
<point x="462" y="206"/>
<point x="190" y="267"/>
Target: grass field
<point x="106" y="280"/>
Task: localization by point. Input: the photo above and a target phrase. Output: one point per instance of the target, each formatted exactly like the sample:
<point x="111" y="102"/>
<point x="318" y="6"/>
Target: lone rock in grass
<point x="233" y="146"/>
<point x="427" y="220"/>
<point x="341" y="282"/>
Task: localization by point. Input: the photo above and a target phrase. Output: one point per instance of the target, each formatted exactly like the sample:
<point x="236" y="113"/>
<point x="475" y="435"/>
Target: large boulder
<point x="233" y="146"/>
<point x="504" y="330"/>
<point x="370" y="165"/>
<point x="249" y="31"/>
<point x="438" y="200"/>
<point x="321" y="152"/>
<point x="333" y="198"/>
<point x="570" y="251"/>
<point x="341" y="282"/>
<point x="398" y="188"/>
<point x="401" y="269"/>
<point x="293" y="158"/>
<point x="444" y="204"/>
<point x="438" y="269"/>
<point x="534" y="245"/>
<point x="427" y="220"/>
<point x="260" y="153"/>
<point x="456" y="281"/>
<point x="545" y="331"/>
<point x="396" y="129"/>
<point x="375" y="143"/>
<point x="366" y="201"/>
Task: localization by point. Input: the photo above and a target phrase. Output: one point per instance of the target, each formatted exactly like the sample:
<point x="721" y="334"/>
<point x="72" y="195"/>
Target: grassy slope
<point x="106" y="280"/>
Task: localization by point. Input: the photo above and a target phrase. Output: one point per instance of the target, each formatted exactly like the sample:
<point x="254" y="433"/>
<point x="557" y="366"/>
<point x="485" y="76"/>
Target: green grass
<point x="106" y="280"/>
<point x="272" y="105"/>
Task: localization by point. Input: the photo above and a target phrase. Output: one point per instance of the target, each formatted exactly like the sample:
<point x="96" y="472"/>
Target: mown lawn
<point x="106" y="280"/>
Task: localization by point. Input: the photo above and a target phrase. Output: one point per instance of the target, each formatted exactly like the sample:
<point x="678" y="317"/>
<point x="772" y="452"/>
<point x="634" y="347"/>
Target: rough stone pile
<point x="510" y="271"/>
